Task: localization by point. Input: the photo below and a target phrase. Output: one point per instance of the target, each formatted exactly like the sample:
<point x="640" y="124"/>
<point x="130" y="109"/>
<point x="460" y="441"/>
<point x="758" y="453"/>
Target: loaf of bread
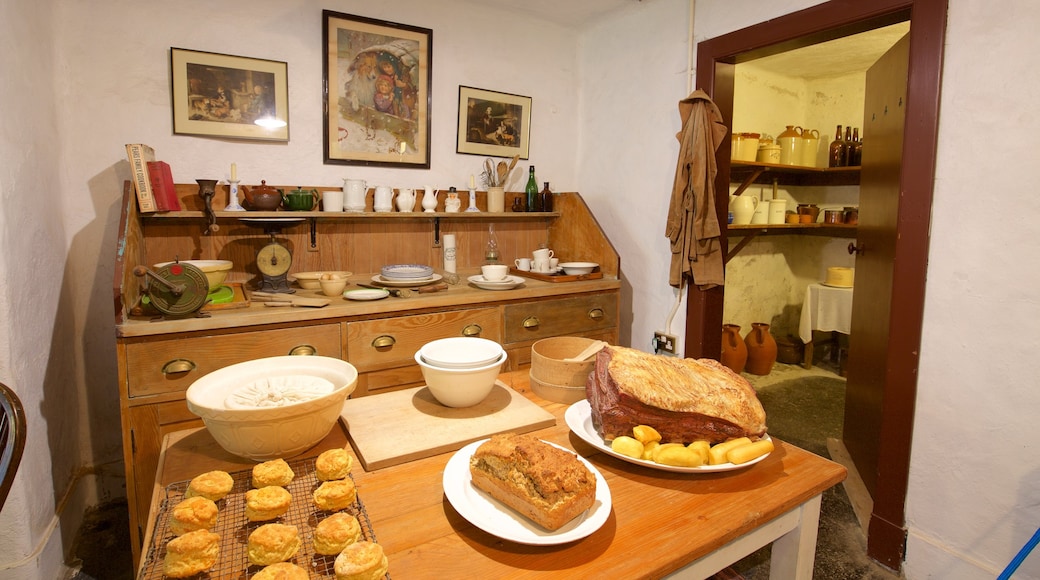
<point x="546" y="484"/>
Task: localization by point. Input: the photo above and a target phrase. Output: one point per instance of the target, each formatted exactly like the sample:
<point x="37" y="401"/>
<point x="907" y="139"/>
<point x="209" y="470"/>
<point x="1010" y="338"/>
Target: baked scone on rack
<point x="193" y="513"/>
<point x="336" y="495"/>
<point x="191" y="554"/>
<point x="361" y="561"/>
<point x="273" y="543"/>
<point x="267" y="503"/>
<point x="281" y="571"/>
<point x="273" y="472"/>
<point x="212" y="485"/>
<point x="544" y="483"/>
<point x="333" y="464"/>
<point x="335" y="533"/>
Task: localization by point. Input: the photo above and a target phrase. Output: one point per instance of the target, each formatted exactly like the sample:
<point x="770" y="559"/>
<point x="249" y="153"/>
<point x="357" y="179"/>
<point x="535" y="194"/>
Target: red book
<point x="162" y="186"/>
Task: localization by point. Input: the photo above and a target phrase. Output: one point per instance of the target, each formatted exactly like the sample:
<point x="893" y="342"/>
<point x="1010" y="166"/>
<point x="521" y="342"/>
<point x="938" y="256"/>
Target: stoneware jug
<point x="384" y="200"/>
<point x="354" y="191"/>
<point x="810" y="145"/>
<point x="734" y="350"/>
<point x="761" y="349"/>
<point x="743" y="207"/>
<point x="405" y="199"/>
<point x="791" y="145"/>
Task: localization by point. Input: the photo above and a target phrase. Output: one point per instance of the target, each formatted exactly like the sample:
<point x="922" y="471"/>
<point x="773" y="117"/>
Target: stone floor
<point x="103" y="553"/>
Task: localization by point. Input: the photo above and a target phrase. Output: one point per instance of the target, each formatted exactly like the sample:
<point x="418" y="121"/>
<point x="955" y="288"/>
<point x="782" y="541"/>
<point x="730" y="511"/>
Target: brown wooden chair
<point x="12" y="438"/>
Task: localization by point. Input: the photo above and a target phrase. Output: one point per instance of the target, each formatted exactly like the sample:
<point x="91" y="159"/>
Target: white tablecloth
<point x="825" y="308"/>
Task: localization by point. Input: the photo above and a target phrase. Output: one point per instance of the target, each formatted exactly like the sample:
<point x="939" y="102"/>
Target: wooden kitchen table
<point x="661" y="524"/>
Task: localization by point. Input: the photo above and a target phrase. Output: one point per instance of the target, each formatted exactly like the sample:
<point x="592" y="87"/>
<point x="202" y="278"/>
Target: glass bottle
<point x="848" y="147"/>
<point x="491" y="251"/>
<point x="533" y="202"/>
<point x="856" y="158"/>
<point x="836" y="153"/>
<point x="547" y="198"/>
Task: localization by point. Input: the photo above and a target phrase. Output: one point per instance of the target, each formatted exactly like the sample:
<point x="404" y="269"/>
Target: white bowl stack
<point x="460" y="371"/>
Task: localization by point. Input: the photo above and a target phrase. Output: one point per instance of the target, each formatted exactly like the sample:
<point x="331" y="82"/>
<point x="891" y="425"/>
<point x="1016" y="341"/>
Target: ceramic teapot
<point x="263" y="198"/>
<point x="405" y="199"/>
<point x="300" y="199"/>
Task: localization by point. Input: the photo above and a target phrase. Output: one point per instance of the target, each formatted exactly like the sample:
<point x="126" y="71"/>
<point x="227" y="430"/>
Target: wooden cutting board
<point x="402" y="426"/>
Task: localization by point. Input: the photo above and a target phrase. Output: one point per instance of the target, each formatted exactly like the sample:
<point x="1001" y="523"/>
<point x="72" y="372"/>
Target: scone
<point x="212" y="485"/>
<point x="333" y="464"/>
<point x="273" y="472"/>
<point x="191" y="553"/>
<point x="267" y="503"/>
<point x="336" y="532"/>
<point x="361" y="561"/>
<point x="273" y="543"/>
<point x="333" y="496"/>
<point x="194" y="513"/>
<point x="281" y="571"/>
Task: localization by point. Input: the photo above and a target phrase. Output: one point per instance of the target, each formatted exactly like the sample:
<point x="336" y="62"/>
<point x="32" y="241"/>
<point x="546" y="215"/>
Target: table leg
<point x="794" y="553"/>
<point x="807" y="360"/>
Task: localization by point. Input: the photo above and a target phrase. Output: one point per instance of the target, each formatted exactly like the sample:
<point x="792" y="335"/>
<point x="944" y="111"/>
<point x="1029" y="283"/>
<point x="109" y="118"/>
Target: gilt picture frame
<point x="221" y="95"/>
<point x="493" y="124"/>
<point x="377" y="97"/>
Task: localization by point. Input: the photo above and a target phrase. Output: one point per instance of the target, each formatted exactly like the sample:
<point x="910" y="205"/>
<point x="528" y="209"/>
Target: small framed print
<point x="494" y="124"/>
<point x="229" y="96"/>
<point x="378" y="76"/>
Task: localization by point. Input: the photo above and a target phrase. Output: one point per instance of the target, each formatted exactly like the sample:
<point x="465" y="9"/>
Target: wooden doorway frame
<point x="886" y="535"/>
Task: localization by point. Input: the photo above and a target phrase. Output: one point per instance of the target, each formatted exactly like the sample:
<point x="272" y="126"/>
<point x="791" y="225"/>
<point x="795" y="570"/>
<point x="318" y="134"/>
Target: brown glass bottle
<point x="848" y="146"/>
<point x="547" y="198"/>
<point x="856" y="158"/>
<point x="836" y="153"/>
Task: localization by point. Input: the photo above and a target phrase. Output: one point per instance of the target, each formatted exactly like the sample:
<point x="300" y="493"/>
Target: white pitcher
<point x="384" y="201"/>
<point x="355" y="191"/>
<point x="743" y="207"/>
<point x="405" y="199"/>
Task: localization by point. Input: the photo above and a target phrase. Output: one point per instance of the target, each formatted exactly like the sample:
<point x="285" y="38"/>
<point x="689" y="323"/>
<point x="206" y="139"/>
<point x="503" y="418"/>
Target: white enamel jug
<point x="384" y="200"/>
<point x="405" y="199"/>
<point x="354" y="191"/>
<point x="743" y="207"/>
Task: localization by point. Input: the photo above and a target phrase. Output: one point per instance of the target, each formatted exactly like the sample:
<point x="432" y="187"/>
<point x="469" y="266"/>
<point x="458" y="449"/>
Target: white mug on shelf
<point x="523" y="264"/>
<point x="332" y="200"/>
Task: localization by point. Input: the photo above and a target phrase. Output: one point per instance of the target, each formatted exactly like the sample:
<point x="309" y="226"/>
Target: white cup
<point x="777" y="211"/>
<point x="543" y="255"/>
<point x="332" y="200"/>
<point x="554" y="264"/>
<point x="494" y="272"/>
<point x="523" y="264"/>
<point x="540" y="266"/>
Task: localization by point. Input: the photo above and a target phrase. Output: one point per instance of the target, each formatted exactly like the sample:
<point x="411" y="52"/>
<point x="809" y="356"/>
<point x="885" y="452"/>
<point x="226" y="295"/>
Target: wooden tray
<point x="593" y="275"/>
<point x="239" y="300"/>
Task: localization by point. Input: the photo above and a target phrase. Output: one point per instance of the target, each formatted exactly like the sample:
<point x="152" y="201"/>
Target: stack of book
<point x="152" y="180"/>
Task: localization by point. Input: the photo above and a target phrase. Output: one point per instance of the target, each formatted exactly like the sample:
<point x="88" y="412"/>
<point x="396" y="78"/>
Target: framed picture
<point x="229" y="96"/>
<point x="377" y="92"/>
<point x="495" y="124"/>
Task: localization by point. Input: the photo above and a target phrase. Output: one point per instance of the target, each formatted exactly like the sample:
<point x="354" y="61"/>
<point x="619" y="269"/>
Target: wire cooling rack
<point x="234" y="528"/>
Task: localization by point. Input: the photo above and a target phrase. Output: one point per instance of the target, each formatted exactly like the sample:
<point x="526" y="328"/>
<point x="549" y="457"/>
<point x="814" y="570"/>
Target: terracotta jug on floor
<point x="761" y="349"/>
<point x="734" y="351"/>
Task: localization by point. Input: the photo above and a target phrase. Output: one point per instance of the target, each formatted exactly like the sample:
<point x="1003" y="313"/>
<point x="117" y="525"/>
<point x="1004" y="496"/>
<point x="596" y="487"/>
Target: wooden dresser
<point x="159" y="359"/>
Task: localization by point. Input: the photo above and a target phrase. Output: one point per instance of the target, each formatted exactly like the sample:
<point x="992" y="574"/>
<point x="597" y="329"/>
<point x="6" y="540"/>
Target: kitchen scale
<point x="176" y="290"/>
<point x="274" y="260"/>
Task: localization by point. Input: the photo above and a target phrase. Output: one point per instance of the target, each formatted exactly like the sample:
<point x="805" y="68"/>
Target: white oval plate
<point x="486" y="513"/>
<point x="508" y="284"/>
<point x="406" y="283"/>
<point x="365" y="294"/>
<point x="406" y="271"/>
<point x="579" y="419"/>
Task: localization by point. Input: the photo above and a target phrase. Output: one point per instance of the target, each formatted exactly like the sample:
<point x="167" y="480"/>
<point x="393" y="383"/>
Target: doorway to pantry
<point x="894" y="392"/>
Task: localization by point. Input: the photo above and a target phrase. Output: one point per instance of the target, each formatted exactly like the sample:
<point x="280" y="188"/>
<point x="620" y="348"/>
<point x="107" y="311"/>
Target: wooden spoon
<point x="589" y="351"/>
<point x="502" y="172"/>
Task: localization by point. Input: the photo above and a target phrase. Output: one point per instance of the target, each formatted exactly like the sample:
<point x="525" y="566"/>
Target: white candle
<point x="234" y="172"/>
<point x="472" y="182"/>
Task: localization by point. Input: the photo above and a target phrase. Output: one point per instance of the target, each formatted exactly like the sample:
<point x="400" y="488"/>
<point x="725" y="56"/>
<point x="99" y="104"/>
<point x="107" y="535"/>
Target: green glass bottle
<point x="534" y="202"/>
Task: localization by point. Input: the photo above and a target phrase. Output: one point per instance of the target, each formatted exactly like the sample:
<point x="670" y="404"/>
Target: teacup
<point x="542" y="255"/>
<point x="540" y="266"/>
<point x="523" y="264"/>
<point x="554" y="264"/>
<point x="494" y="272"/>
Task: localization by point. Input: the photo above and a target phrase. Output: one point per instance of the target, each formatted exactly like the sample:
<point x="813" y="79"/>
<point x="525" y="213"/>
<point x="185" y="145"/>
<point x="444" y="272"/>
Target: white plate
<point x="406" y="271"/>
<point x="481" y="510"/>
<point x="406" y="283"/>
<point x="579" y="419"/>
<point x="366" y="294"/>
<point x="508" y="284"/>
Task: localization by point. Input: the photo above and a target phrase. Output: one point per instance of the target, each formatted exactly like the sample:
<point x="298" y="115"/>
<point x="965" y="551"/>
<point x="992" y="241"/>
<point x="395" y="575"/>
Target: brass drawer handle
<point x="596" y="313"/>
<point x="472" y="330"/>
<point x="383" y="341"/>
<point x="176" y="366"/>
<point x="531" y="322"/>
<point x="303" y="350"/>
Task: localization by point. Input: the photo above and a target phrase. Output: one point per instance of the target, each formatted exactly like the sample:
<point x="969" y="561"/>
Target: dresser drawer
<point x="393" y="342"/>
<point x="560" y="317"/>
<point x="165" y="366"/>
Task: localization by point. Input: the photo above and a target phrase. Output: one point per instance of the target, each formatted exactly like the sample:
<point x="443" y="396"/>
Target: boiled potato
<point x="645" y="434"/>
<point x="657" y="450"/>
<point x="627" y="446"/>
<point x="745" y="453"/>
<point x="717" y="454"/>
<point x="702" y="448"/>
<point x="679" y="456"/>
<point x="648" y="450"/>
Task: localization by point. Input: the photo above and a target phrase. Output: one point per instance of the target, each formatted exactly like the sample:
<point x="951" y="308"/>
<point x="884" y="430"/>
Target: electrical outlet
<point x="664" y="342"/>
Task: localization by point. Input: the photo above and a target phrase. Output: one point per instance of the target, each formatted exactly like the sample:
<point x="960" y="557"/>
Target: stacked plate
<point x="402" y="272"/>
<point x="507" y="283"/>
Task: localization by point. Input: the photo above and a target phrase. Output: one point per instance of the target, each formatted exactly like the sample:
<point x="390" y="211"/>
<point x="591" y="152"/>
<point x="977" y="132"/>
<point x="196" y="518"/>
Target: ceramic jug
<point x="429" y="199"/>
<point x="734" y="350"/>
<point x="354" y="191"/>
<point x="761" y="215"/>
<point x="791" y="145"/>
<point x="810" y="145"/>
<point x="405" y="199"/>
<point x="384" y="200"/>
<point x="743" y="207"/>
<point x="761" y="349"/>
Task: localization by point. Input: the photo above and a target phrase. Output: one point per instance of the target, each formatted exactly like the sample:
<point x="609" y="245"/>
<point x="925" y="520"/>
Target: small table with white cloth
<point x="827" y="309"/>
